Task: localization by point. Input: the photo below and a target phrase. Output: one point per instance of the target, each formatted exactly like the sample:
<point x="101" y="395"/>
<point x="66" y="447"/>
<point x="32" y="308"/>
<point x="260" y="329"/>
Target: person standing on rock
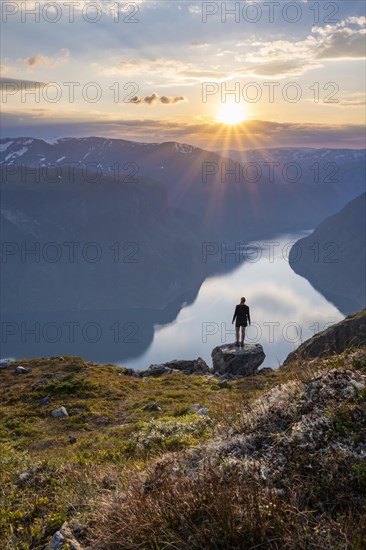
<point x="242" y="316"/>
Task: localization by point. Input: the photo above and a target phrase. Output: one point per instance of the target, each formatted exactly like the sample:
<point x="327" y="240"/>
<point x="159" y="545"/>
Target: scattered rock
<point x="45" y="401"/>
<point x="60" y="412"/>
<point x="185" y="366"/>
<point x="42" y="382"/>
<point x="233" y="360"/>
<point x="157" y="370"/>
<point x="202" y="411"/>
<point x="194" y="408"/>
<point x="153" y="407"/>
<point x="72" y="439"/>
<point x="224" y="384"/>
<point x="63" y="539"/>
<point x="21" y="370"/>
<point x="129" y="372"/>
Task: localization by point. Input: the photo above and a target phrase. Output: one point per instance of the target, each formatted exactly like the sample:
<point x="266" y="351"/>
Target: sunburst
<point x="231" y="113"/>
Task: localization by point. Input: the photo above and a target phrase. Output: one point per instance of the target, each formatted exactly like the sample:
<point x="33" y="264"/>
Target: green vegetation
<point x="181" y="485"/>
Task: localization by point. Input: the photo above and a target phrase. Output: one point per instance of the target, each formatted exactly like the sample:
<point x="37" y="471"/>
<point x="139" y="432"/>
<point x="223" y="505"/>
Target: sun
<point x="231" y="113"/>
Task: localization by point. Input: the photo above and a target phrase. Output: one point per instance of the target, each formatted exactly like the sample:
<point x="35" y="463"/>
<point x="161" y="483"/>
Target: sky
<point x="219" y="75"/>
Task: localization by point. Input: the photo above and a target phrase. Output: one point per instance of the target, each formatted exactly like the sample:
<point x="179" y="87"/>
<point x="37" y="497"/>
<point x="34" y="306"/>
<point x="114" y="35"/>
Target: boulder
<point x="21" y="370"/>
<point x="229" y="359"/>
<point x="60" y="412"/>
<point x="4" y="363"/>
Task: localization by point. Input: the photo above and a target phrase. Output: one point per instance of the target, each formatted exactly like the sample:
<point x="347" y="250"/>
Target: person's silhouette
<point x="242" y="316"/>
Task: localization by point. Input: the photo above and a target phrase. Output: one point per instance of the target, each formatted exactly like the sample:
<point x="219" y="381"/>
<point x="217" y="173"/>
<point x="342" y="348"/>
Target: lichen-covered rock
<point x="64" y="539"/>
<point x="60" y="412"/>
<point x="230" y="359"/>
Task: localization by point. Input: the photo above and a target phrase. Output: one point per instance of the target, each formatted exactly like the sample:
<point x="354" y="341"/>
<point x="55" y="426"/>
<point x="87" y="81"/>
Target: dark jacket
<point x="242" y="315"/>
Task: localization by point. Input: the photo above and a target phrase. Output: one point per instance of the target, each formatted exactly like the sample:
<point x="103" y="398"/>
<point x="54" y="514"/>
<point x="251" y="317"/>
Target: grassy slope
<point x="118" y="440"/>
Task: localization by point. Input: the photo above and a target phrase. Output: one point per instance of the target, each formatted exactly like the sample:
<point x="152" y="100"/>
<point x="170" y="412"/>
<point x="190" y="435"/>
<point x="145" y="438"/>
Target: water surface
<point x="285" y="311"/>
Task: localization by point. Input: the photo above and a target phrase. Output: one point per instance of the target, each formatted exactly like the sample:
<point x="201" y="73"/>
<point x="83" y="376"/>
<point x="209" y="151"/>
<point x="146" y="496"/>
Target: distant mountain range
<point x="333" y="257"/>
<point x="212" y="187"/>
<point x="155" y="203"/>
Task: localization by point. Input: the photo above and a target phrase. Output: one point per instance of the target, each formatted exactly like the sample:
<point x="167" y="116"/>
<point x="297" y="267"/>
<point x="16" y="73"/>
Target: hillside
<point x="241" y="198"/>
<point x="276" y="461"/>
<point x="333" y="257"/>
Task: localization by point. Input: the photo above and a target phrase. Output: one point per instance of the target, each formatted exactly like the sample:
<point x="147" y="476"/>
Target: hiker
<point x="242" y="316"/>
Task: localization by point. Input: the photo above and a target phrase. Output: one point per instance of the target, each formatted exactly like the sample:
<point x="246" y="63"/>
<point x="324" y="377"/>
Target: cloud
<point x="343" y="44"/>
<point x="350" y="103"/>
<point x="132" y="66"/>
<point x="203" y="75"/>
<point x="196" y="44"/>
<point x="40" y="60"/>
<point x="17" y="84"/>
<point x="36" y="60"/>
<point x="280" y="68"/>
<point x="154" y="98"/>
<point x="353" y="100"/>
<point x="171" y="100"/>
<point x="195" y="9"/>
<point x="279" y="58"/>
<point x="252" y="133"/>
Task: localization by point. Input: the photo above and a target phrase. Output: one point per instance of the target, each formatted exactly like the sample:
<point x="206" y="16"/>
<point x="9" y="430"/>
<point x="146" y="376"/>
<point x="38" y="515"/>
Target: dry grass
<point x="125" y="478"/>
<point x="220" y="510"/>
<point x="313" y="499"/>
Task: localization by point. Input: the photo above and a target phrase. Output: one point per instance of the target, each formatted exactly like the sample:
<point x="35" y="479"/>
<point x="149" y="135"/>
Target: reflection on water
<point x="285" y="311"/>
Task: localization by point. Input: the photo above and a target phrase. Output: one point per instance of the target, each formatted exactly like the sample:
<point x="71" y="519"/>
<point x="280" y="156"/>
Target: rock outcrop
<point x="349" y="333"/>
<point x="195" y="366"/>
<point x="232" y="360"/>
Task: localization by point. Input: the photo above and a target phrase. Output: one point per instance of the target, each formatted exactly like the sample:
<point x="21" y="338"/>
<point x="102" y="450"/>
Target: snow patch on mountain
<point x="51" y="140"/>
<point x="5" y="145"/>
<point x="183" y="148"/>
<point x="20" y="152"/>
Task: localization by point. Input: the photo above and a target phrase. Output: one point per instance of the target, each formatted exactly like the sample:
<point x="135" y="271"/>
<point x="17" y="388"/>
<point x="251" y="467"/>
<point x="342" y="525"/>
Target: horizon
<point x="55" y="139"/>
<point x="259" y="76"/>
